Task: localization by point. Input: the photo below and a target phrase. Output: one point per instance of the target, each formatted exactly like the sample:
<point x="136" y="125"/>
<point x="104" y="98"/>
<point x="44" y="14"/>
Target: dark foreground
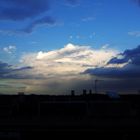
<point x="95" y="116"/>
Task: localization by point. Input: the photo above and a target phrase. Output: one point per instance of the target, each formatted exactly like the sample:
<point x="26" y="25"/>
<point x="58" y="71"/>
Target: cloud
<point x="16" y="10"/>
<point x="134" y="33"/>
<point x="75" y="67"/>
<point x="32" y="12"/>
<point x="122" y="73"/>
<point x="67" y="61"/>
<point x="9" y="71"/>
<point x="20" y="10"/>
<point x="132" y="56"/>
<point x="47" y="20"/>
<point x="124" y="65"/>
<point x="128" y="71"/>
<point x="57" y="71"/>
<point x="10" y="49"/>
<point x="4" y="68"/>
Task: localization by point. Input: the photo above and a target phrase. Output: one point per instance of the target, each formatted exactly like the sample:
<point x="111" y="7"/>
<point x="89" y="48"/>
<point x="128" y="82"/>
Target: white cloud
<point x="59" y="71"/>
<point x="134" y="33"/>
<point x="68" y="61"/>
<point x="10" y="49"/>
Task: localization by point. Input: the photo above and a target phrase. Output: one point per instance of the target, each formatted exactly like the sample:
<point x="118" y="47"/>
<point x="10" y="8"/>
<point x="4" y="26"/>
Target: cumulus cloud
<point x="58" y="71"/>
<point x="67" y="61"/>
<point x="75" y="67"/>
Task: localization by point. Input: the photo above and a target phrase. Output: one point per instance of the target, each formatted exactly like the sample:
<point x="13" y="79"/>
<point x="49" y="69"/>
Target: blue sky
<point x="34" y="28"/>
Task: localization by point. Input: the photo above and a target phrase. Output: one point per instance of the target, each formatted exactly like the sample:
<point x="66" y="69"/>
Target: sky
<point x="53" y="47"/>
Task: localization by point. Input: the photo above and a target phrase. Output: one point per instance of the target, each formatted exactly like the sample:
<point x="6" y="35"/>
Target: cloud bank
<point x="75" y="67"/>
<point x="58" y="71"/>
<point x="70" y="60"/>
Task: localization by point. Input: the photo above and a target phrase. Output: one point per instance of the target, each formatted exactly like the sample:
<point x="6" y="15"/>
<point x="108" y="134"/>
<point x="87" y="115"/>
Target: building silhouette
<point x="22" y="114"/>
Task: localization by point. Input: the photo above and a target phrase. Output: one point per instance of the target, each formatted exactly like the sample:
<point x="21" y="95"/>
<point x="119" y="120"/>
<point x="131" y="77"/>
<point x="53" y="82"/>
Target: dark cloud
<point x="47" y="20"/>
<point x="22" y="9"/>
<point x="122" y="79"/>
<point x="130" y="70"/>
<point x="19" y="10"/>
<point x="4" y="68"/>
<point x="115" y="60"/>
<point x="23" y="68"/>
<point x="131" y="56"/>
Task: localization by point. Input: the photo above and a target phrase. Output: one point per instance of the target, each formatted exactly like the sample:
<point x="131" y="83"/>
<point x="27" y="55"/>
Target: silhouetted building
<point x="86" y="112"/>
